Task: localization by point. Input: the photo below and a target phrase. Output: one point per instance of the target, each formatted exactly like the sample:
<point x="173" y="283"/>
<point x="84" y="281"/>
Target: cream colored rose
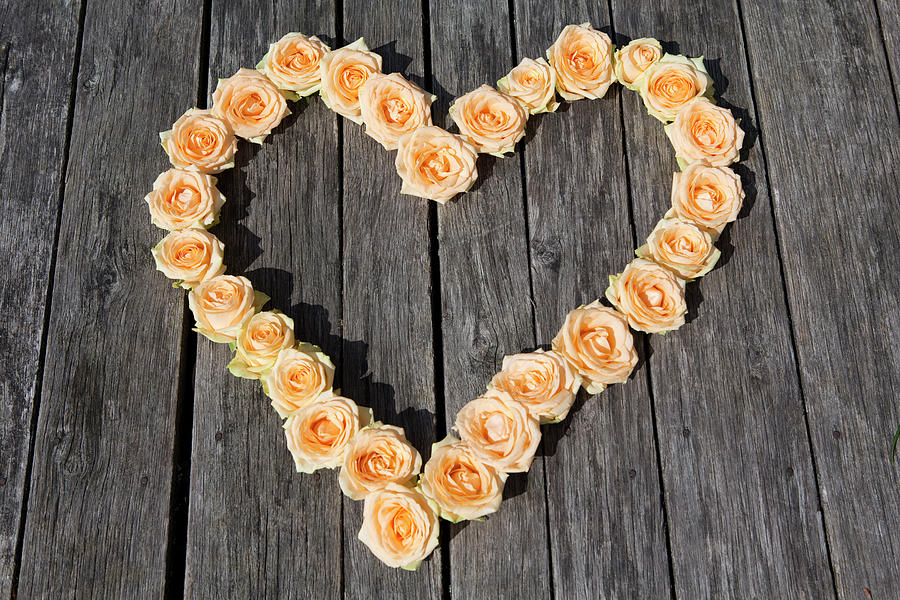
<point x="400" y="526"/>
<point x="582" y="59"/>
<point x="704" y="132"/>
<point x="343" y="72"/>
<point x="682" y="247"/>
<point x="533" y="84"/>
<point x="222" y="305"/>
<point x="541" y="381"/>
<point x="201" y="141"/>
<point x="292" y="63"/>
<point x="299" y="376"/>
<point x="251" y="103"/>
<point x="492" y="122"/>
<point x="711" y="197"/>
<point x="633" y="60"/>
<point x="462" y="486"/>
<point x="671" y="83"/>
<point x="649" y="295"/>
<point x="596" y="342"/>
<point x="375" y="457"/>
<point x="391" y="107"/>
<point x="189" y="256"/>
<point x="318" y="433"/>
<point x="182" y="199"/>
<point x="435" y="164"/>
<point x="259" y="342"/>
<point x="500" y="431"/>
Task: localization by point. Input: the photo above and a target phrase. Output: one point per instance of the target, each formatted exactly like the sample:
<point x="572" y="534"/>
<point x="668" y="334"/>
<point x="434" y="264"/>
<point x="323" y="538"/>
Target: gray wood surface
<point x="258" y="529"/>
<point x="97" y="520"/>
<point x="32" y="169"/>
<point x="834" y="171"/>
<point x="889" y="19"/>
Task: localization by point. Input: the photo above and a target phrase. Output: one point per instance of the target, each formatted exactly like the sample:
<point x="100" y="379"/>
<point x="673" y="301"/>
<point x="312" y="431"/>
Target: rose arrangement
<point x="498" y="432"/>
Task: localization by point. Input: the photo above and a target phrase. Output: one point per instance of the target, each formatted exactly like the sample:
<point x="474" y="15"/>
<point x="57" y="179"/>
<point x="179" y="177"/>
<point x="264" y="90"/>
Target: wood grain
<point x="834" y="171"/>
<point x="607" y="533"/>
<point x="31" y="142"/>
<point x="99" y="499"/>
<point x="258" y="529"/>
<point x="889" y="20"/>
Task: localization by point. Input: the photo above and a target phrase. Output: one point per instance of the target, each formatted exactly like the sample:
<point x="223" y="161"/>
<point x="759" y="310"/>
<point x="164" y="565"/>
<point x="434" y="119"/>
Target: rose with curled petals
<point x="582" y="59"/>
<point x="489" y="120"/>
<point x="711" y="197"/>
<point x="200" y="140"/>
<point x="260" y="340"/>
<point x="292" y="63"/>
<point x="222" y="305"/>
<point x="499" y="431"/>
<point x="682" y="247"/>
<point x="435" y="164"/>
<point x="391" y="107"/>
<point x="400" y="526"/>
<point x="251" y="104"/>
<point x="671" y="83"/>
<point x="182" y="199"/>
<point x="319" y="432"/>
<point x="633" y="60"/>
<point x="343" y="72"/>
<point x="189" y="256"/>
<point x="705" y="133"/>
<point x="649" y="295"/>
<point x="541" y="381"/>
<point x="299" y="376"/>
<point x="533" y="84"/>
<point x="376" y="456"/>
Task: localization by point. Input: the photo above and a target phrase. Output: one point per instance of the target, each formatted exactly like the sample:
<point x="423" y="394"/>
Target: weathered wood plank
<point x="388" y="358"/>
<point x="34" y="114"/>
<point x="606" y="520"/>
<point x="834" y="171"/>
<point x="889" y="18"/>
<point x="486" y="306"/>
<point x="258" y="529"/>
<point x="740" y="487"/>
<point x="99" y="496"/>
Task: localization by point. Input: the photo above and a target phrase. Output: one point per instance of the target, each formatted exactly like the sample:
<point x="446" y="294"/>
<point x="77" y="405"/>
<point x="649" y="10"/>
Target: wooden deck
<point x="748" y="458"/>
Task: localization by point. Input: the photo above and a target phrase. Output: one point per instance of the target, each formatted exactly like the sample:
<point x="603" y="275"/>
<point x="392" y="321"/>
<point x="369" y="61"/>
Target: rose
<point x="541" y="381"/>
<point x="182" y="199"/>
<point x="711" y="197"/>
<point x="489" y="120"/>
<point x="376" y="456"/>
<point x="189" y="256"/>
<point x="499" y="431"/>
<point x="400" y="526"/>
<point x="633" y="60"/>
<point x="682" y="247"/>
<point x="391" y="107"/>
<point x="299" y="376"/>
<point x="260" y="340"/>
<point x="671" y="83"/>
<point x="704" y="132"/>
<point x="343" y="72"/>
<point x="201" y="141"/>
<point x="462" y="486"/>
<point x="596" y="342"/>
<point x="435" y="164"/>
<point x="582" y="59"/>
<point x="319" y="432"/>
<point x="222" y="305"/>
<point x="292" y="63"/>
<point x="533" y="84"/>
<point x="251" y="103"/>
<point x="649" y="296"/>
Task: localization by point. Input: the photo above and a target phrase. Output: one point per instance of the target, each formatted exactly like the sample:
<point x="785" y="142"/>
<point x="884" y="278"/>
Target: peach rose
<point x="682" y="247"/>
<point x="533" y="84"/>
<point x="318" y="433"/>
<point x="595" y="340"/>
<point x="251" y="103"/>
<point x="492" y="122"/>
<point x="632" y="60"/>
<point x="375" y="457"/>
<point x="201" y="141"/>
<point x="182" y="199"/>
<point x="292" y="63"/>
<point x="704" y="132"/>
<point x="499" y="431"/>
<point x="582" y="59"/>
<point x="400" y="526"/>
<point x="391" y="107"/>
<point x="260" y="340"/>
<point x="189" y="256"/>
<point x="299" y="376"/>
<point x="671" y="83"/>
<point x="343" y="72"/>
<point x="462" y="486"/>
<point x="650" y="296"/>
<point x="541" y="381"/>
<point x="222" y="305"/>
<point x="435" y="164"/>
<point x="711" y="197"/>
